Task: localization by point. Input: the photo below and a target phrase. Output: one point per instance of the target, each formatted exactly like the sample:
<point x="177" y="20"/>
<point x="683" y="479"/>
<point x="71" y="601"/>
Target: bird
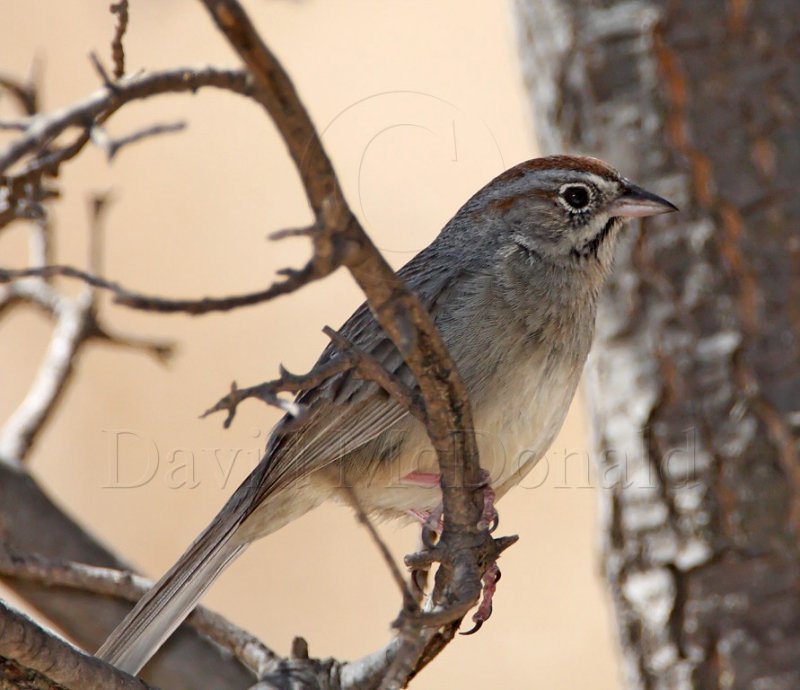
<point x="512" y="283"/>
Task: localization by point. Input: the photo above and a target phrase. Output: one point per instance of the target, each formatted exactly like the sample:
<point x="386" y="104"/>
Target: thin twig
<point x="44" y="128"/>
<point x="287" y="383"/>
<point x="100" y="68"/>
<point x="25" y="94"/>
<point x="11" y="125"/>
<point x="120" y="9"/>
<point x="145" y="302"/>
<point x="161" y="350"/>
<point x="100" y="137"/>
<point x="409" y="602"/>
<point x="349" y="357"/>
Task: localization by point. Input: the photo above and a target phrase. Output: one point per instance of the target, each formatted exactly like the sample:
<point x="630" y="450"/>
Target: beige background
<point x="421" y="103"/>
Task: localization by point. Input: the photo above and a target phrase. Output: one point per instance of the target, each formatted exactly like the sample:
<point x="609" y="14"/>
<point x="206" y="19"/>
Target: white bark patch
<point x="542" y="59"/>
<point x="662" y="547"/>
<point x="651" y="593"/>
<point x="693" y="554"/>
<point x="699" y="233"/>
<point x="689" y="498"/>
<point x="733" y="438"/>
<point x="664" y="658"/>
<point x="697" y="285"/>
<point x="718" y="346"/>
<point x="639" y="517"/>
<point x="622" y="19"/>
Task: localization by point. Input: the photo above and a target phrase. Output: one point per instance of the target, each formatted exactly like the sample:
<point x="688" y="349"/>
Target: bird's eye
<point x="576" y="195"/>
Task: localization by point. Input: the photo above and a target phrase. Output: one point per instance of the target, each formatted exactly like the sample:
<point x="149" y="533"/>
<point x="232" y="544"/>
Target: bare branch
<point x="112" y="146"/>
<point x="25" y="94"/>
<point x="23" y="426"/>
<point x="130" y="587"/>
<point x="465" y="550"/>
<point x="104" y="102"/>
<point x="161" y="350"/>
<point x="35" y="292"/>
<point x="12" y="209"/>
<point x="100" y="68"/>
<point x="75" y="319"/>
<point x="350" y="357"/>
<point x="29" y="645"/>
<point x="14" y="676"/>
<point x="120" y="9"/>
<point x="18" y="125"/>
<point x="287" y="383"/>
<point x="409" y="602"/>
<point x="145" y="302"/>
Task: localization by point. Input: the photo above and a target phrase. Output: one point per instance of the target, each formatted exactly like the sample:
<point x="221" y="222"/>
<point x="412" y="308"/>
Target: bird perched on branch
<point x="512" y="283"/>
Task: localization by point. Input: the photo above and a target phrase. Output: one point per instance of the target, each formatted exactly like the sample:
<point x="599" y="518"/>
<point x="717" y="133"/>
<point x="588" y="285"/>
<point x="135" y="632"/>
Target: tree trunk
<point x="695" y="378"/>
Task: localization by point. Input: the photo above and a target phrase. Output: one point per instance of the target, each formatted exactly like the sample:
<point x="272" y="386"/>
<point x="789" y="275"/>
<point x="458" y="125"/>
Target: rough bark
<point x="695" y="378"/>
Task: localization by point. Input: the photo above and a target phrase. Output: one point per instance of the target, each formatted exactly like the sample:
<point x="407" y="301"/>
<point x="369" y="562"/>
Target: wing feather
<point x="347" y="412"/>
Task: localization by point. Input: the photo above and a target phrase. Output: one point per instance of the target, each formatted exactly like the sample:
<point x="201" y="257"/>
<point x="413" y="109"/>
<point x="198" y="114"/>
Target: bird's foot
<point x="489" y="518"/>
<point x="432" y="526"/>
<point x="432" y="522"/>
<point x="490" y="579"/>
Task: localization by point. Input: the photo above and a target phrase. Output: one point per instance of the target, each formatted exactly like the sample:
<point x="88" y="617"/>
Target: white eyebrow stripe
<point x="597" y="180"/>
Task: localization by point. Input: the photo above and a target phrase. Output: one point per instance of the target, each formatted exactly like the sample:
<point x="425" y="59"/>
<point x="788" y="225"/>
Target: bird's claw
<point x="490" y="579"/>
<point x="419" y="578"/>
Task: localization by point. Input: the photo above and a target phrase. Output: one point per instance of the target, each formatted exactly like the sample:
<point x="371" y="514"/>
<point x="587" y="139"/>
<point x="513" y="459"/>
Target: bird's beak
<point x="636" y="202"/>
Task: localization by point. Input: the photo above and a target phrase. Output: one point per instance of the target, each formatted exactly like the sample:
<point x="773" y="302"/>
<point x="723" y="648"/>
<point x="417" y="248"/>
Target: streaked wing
<point x="346" y="412"/>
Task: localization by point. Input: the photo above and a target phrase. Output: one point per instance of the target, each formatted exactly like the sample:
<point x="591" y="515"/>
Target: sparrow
<point x="512" y="283"/>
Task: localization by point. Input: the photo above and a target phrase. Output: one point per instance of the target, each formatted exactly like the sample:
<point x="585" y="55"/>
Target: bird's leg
<point x="431" y="519"/>
<point x="425" y="480"/>
<point x="488" y="521"/>
<point x="432" y="523"/>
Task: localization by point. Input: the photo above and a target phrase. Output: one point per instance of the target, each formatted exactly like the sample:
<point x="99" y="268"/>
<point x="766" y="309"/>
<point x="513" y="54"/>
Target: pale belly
<point x="515" y="423"/>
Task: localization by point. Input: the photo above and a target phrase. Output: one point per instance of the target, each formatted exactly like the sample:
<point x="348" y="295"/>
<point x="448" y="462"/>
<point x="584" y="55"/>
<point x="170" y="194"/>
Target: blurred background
<point x="420" y="104"/>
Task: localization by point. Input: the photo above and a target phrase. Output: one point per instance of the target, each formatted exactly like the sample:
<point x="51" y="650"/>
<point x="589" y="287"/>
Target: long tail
<point x="159" y="612"/>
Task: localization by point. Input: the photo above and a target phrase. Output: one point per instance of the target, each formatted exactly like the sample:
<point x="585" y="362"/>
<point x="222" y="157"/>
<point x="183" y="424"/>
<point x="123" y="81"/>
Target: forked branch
<point x="338" y="240"/>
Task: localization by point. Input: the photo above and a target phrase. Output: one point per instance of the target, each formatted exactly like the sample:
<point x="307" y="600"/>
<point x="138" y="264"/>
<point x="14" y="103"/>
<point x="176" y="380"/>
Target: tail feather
<point x="164" y="607"/>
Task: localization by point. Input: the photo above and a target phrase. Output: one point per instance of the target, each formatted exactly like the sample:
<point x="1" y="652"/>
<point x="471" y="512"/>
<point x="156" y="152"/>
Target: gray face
<point x="565" y="215"/>
<point x="562" y="215"/>
<point x="567" y="210"/>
